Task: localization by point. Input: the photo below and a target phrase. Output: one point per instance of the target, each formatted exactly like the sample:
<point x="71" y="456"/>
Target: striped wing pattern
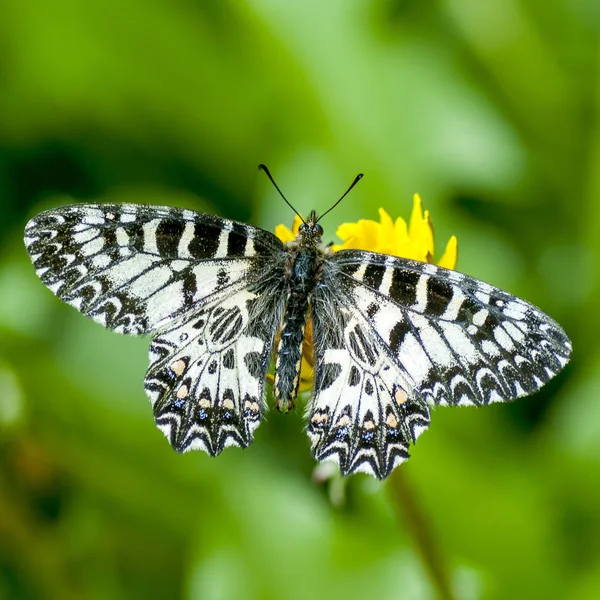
<point x="392" y="337"/>
<point x="195" y="282"/>
<point x="362" y="416"/>
<point x="409" y="335"/>
<point x="134" y="268"/>
<point x="207" y="372"/>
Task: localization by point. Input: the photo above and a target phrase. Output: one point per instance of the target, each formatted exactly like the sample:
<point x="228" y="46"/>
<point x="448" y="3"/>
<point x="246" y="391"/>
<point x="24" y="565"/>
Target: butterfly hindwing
<point x="364" y="413"/>
<point x="134" y="268"/>
<point x="207" y="371"/>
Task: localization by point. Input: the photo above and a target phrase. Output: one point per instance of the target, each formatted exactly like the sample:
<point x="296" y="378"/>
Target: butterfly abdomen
<point x="302" y="279"/>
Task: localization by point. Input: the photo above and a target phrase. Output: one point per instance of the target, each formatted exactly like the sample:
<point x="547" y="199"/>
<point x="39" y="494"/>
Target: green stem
<point x="409" y="509"/>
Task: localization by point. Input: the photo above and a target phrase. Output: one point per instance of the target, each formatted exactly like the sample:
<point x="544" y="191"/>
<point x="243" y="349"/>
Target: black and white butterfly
<point x="392" y="336"/>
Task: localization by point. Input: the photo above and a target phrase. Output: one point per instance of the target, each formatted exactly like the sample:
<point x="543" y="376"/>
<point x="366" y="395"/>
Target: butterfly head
<point x="310" y="230"/>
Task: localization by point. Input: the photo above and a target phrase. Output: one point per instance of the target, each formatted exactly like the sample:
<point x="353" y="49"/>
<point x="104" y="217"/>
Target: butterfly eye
<point x="302" y="228"/>
<point x="319" y="229"/>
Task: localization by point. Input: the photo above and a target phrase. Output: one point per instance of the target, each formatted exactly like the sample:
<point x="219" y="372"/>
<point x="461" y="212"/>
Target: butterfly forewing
<point x="459" y="340"/>
<point x="134" y="268"/>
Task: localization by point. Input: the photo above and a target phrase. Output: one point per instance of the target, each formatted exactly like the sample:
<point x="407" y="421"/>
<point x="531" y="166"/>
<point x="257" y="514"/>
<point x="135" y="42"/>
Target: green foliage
<point x="489" y="110"/>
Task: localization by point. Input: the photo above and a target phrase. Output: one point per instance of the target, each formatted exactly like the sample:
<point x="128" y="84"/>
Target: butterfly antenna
<point x="262" y="167"/>
<point x="356" y="180"/>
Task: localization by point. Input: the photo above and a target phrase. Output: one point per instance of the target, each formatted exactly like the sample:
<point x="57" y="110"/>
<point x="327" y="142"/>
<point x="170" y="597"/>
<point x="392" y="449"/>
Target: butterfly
<point x="392" y="337"/>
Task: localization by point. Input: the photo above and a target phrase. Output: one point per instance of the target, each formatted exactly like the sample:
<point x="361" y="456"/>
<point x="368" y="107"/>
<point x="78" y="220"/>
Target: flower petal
<point x="284" y="234"/>
<point x="387" y="225"/>
<point x="420" y="229"/>
<point x="450" y="256"/>
<point x="362" y="235"/>
<point x="296" y="225"/>
<point x="416" y="216"/>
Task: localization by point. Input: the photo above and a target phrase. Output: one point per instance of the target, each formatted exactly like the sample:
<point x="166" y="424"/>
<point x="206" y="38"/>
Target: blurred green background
<point x="490" y="109"/>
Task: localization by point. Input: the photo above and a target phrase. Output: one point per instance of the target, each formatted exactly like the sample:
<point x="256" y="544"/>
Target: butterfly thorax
<point x="305" y="258"/>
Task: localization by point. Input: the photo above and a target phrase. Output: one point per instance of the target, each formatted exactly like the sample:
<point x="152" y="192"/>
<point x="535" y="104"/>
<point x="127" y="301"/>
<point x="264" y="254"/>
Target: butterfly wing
<point x="134" y="268"/>
<point x="452" y="340"/>
<point x="365" y="412"/>
<point x="462" y="341"/>
<point x="208" y="288"/>
<point x="207" y="370"/>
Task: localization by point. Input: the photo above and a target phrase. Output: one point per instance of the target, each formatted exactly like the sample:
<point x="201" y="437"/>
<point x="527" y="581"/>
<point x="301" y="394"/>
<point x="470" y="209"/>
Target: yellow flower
<point x="284" y="234"/>
<point x="396" y="238"/>
<point x="414" y="240"/>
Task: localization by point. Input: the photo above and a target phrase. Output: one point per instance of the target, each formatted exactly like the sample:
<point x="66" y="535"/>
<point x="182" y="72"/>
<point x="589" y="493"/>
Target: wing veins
<point x="492" y="309"/>
<point x="170" y="282"/>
